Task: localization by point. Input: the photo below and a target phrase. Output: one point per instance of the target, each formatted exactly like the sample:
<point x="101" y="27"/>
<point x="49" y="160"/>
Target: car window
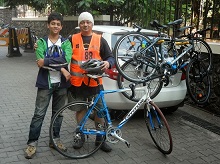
<point x="111" y="42"/>
<point x="98" y="32"/>
<point x="114" y="39"/>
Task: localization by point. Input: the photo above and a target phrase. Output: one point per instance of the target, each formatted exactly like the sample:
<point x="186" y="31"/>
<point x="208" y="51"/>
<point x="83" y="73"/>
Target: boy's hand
<point x="40" y="62"/>
<point x="35" y="46"/>
<point x="65" y="73"/>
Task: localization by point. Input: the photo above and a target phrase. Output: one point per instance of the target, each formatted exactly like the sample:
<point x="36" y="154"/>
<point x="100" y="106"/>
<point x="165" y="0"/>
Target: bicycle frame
<point x="172" y="63"/>
<point x="145" y="98"/>
<point x="160" y="41"/>
<point x="186" y="50"/>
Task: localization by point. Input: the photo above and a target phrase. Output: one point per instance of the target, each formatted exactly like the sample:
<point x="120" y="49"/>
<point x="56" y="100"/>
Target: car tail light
<point x="183" y="77"/>
<point x="113" y="73"/>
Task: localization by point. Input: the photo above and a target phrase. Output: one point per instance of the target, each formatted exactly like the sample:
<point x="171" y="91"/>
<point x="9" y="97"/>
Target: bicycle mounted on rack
<point x="161" y="57"/>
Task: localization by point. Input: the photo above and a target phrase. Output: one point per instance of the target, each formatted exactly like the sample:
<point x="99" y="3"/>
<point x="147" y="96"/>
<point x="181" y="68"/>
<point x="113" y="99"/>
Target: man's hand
<point x="105" y="65"/>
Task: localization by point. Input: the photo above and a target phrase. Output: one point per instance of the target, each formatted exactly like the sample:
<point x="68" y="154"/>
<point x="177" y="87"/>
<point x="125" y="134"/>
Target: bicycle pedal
<point x="128" y="144"/>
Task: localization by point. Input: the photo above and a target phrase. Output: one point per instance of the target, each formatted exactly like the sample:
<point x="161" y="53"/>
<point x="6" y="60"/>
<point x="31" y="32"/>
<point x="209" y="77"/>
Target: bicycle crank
<point x="113" y="135"/>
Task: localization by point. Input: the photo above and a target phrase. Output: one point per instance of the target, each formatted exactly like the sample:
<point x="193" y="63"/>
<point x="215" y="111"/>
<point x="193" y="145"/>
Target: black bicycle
<point x="139" y="57"/>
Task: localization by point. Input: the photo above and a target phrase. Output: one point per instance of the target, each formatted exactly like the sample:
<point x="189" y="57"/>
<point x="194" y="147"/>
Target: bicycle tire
<point x="198" y="82"/>
<point x="156" y="85"/>
<point x="133" y="46"/>
<point x="203" y="52"/>
<point x="67" y="131"/>
<point x="158" y="128"/>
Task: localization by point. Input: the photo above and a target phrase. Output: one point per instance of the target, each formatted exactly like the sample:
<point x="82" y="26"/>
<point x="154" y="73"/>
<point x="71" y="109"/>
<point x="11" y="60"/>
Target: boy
<point x="53" y="55"/>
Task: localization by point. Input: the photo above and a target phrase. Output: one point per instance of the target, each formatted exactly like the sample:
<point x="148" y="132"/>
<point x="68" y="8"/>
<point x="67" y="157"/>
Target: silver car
<point x="170" y="97"/>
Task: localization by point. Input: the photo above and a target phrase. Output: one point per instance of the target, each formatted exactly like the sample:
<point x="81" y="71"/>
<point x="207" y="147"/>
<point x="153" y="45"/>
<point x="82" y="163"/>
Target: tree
<point x="127" y="12"/>
<point x="74" y="7"/>
<point x="37" y="4"/>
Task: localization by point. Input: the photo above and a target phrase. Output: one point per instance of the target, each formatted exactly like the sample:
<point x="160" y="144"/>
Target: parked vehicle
<point x="170" y="97"/>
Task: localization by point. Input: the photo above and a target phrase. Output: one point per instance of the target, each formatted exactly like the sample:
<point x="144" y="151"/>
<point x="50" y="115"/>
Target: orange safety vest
<point x="81" y="55"/>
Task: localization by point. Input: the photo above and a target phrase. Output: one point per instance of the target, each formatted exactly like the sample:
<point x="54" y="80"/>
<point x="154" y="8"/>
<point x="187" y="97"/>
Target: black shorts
<point x="72" y="96"/>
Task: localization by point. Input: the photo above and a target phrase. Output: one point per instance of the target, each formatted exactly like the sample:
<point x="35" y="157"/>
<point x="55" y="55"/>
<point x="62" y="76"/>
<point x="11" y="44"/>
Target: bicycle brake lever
<point x="132" y="86"/>
<point x="165" y="79"/>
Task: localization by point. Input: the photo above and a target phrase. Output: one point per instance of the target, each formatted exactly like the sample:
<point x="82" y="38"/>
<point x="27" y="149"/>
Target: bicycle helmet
<point x="54" y="51"/>
<point x="92" y="66"/>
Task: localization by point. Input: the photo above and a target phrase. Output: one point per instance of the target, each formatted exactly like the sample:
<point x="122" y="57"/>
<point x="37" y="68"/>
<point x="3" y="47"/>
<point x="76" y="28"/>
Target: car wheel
<point x="169" y="110"/>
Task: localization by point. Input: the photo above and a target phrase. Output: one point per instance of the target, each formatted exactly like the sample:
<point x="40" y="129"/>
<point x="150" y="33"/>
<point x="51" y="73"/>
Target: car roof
<point x="120" y="29"/>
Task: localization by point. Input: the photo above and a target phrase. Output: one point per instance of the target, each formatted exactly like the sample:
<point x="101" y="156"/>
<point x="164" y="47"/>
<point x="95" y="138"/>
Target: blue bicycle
<point x="87" y="130"/>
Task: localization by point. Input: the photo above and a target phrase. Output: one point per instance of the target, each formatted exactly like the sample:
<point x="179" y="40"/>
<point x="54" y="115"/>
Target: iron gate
<point x="199" y="13"/>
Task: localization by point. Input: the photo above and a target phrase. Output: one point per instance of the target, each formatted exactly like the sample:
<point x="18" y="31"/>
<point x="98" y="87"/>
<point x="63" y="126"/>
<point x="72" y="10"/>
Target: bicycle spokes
<point x="198" y="82"/>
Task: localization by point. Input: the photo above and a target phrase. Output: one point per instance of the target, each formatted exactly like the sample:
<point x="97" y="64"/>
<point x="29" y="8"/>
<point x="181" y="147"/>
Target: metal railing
<point x="199" y="13"/>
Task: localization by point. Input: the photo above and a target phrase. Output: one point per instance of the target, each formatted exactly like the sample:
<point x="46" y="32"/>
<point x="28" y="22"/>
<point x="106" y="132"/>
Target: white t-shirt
<point x="54" y="75"/>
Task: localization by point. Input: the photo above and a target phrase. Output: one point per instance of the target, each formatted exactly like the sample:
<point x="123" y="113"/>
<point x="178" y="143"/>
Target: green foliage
<point x="1" y="2"/>
<point x="37" y="4"/>
<point x="128" y="11"/>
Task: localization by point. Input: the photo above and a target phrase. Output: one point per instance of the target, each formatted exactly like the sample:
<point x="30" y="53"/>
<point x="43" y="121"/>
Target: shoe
<point x="59" y="144"/>
<point x="30" y="151"/>
<point x="78" y="141"/>
<point x="104" y="147"/>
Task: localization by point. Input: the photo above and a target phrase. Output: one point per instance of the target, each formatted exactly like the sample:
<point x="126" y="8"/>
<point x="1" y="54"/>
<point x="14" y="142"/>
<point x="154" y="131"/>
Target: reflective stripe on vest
<point x="81" y="55"/>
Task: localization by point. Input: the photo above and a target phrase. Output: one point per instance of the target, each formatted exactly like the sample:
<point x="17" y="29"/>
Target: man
<point x="52" y="51"/>
<point x="87" y="45"/>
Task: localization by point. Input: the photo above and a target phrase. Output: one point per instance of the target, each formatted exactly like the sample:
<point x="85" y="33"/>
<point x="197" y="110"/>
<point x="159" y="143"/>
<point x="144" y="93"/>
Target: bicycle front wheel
<point x="134" y="46"/>
<point x="158" y="128"/>
<point x="64" y="127"/>
<point x="155" y="84"/>
<point x="198" y="82"/>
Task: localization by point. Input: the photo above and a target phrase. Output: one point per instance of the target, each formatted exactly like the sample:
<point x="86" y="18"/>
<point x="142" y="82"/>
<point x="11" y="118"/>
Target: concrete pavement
<point x="192" y="142"/>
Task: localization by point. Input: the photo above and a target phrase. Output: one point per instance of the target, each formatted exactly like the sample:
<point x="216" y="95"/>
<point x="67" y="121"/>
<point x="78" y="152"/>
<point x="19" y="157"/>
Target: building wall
<point x="6" y="15"/>
<point x="39" y="25"/>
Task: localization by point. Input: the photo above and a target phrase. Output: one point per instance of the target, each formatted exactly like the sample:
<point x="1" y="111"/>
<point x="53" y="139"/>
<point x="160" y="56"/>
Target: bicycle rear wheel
<point x="133" y="46"/>
<point x="203" y="52"/>
<point x="155" y="84"/>
<point x="69" y="134"/>
<point x="198" y="82"/>
<point x="158" y="128"/>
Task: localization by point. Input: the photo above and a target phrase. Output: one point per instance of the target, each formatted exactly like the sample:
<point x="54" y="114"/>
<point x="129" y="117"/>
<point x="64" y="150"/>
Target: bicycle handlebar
<point x="132" y="86"/>
<point x="138" y="27"/>
<point x="202" y="32"/>
<point x="192" y="35"/>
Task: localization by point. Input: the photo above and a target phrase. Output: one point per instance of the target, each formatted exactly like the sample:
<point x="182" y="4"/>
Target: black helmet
<point x="54" y="51"/>
<point x="92" y="66"/>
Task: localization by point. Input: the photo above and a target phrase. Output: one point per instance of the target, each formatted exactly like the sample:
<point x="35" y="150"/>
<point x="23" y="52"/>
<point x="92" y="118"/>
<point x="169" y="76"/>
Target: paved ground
<point x="192" y="143"/>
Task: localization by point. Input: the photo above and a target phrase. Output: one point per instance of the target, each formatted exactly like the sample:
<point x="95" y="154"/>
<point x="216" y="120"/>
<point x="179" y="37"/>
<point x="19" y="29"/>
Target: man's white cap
<point x="85" y="16"/>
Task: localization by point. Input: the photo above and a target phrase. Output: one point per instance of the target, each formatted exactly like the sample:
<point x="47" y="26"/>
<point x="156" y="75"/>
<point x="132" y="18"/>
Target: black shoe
<point x="78" y="141"/>
<point x="104" y="147"/>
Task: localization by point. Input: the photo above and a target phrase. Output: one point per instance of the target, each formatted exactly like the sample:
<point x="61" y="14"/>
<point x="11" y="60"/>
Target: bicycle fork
<point x="149" y="115"/>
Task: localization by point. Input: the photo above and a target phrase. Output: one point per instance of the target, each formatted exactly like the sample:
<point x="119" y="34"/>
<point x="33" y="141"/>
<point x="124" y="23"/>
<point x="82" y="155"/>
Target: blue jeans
<point x="59" y="97"/>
